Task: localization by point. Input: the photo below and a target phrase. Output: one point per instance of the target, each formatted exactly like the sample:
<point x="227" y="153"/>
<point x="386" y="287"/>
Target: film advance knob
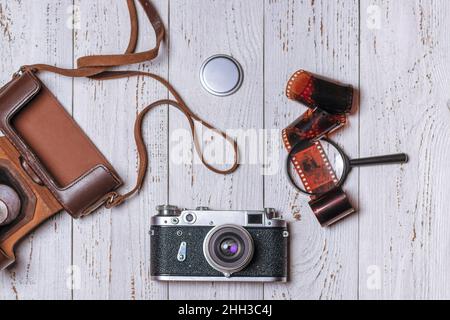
<point x="168" y="211"/>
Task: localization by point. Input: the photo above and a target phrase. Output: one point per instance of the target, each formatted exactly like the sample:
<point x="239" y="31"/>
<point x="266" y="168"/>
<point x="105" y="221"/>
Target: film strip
<point x="311" y="162"/>
<point x="313" y="167"/>
<point x="299" y="87"/>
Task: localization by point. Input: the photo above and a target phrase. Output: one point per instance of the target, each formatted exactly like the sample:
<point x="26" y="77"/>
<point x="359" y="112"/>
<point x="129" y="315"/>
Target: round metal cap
<point x="221" y="75"/>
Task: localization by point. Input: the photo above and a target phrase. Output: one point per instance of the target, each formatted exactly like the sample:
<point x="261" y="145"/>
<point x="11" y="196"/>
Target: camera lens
<point x="228" y="249"/>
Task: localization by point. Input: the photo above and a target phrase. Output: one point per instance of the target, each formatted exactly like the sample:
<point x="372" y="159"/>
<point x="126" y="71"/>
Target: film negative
<point x="328" y="105"/>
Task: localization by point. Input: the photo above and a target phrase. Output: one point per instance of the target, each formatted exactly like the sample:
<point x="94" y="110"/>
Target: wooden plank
<point x="404" y="107"/>
<point x="321" y="37"/>
<point x="404" y="238"/>
<point x="112" y="248"/>
<point x="198" y="30"/>
<point x="36" y="32"/>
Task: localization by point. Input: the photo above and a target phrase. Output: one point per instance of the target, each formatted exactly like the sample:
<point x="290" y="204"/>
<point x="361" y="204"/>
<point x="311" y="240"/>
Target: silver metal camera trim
<point x="221" y="279"/>
<point x="224" y="93"/>
<point x="203" y="218"/>
<point x="227" y="272"/>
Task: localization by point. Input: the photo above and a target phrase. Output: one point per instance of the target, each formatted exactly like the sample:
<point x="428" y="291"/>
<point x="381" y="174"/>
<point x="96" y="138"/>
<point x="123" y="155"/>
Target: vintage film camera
<point x="205" y="245"/>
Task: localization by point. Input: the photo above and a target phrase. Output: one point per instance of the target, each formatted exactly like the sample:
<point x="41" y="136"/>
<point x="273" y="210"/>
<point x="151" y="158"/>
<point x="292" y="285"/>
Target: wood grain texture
<point x="112" y="248"/>
<point x="394" y="51"/>
<point x="321" y="37"/>
<point x="404" y="215"/>
<point x="201" y="29"/>
<point x="36" y="32"/>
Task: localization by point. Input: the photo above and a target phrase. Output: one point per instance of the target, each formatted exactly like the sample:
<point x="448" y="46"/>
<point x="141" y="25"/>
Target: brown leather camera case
<point x="55" y="151"/>
<point x="47" y="159"/>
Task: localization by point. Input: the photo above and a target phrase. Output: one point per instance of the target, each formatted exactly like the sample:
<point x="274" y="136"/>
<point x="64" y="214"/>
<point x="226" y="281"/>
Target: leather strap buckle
<point x="113" y="200"/>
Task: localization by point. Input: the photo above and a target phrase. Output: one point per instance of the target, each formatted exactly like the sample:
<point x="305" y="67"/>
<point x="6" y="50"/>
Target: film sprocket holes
<point x="206" y="245"/>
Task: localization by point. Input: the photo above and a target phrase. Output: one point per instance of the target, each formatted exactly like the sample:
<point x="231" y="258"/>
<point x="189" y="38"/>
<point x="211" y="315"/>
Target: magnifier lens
<point x="318" y="168"/>
<point x="334" y="158"/>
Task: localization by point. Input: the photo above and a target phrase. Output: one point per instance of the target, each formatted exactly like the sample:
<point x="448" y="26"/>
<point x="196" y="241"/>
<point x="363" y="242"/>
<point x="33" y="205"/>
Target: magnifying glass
<point x="322" y="165"/>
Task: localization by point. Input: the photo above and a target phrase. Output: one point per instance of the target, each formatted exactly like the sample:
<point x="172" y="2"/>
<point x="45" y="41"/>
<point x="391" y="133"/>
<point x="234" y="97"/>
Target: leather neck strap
<point x="93" y="66"/>
<point x="97" y="67"/>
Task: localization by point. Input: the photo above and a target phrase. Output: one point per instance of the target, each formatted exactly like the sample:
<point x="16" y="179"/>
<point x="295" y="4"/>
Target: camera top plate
<point x="175" y="217"/>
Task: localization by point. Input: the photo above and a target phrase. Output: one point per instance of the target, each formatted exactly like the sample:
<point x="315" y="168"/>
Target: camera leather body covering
<point x="328" y="105"/>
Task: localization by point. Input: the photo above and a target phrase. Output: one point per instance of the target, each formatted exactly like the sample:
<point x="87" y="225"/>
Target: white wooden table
<point x="397" y="52"/>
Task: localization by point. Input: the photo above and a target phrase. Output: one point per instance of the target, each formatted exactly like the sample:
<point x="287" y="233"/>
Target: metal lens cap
<point x="221" y="75"/>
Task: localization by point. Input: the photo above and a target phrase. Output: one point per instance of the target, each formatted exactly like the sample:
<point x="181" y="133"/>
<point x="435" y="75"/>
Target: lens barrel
<point x="228" y="249"/>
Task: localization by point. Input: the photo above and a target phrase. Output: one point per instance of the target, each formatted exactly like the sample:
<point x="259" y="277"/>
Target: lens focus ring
<point x="228" y="249"/>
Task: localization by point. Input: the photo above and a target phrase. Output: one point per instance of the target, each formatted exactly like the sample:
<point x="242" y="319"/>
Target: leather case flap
<point x="55" y="150"/>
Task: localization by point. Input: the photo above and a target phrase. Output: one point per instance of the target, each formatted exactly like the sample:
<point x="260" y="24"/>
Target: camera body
<point x="206" y="245"/>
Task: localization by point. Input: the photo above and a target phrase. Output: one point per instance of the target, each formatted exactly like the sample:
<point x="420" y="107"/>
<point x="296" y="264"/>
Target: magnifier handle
<point x="390" y="159"/>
